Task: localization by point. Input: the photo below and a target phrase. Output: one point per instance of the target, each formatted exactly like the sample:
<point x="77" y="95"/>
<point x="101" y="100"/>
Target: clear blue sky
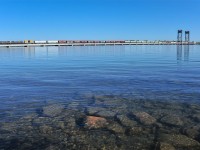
<point x="98" y="19"/>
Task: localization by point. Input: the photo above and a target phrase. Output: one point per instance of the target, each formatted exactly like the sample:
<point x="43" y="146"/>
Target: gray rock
<point x="165" y="146"/>
<point x="125" y="121"/>
<point x="113" y="102"/>
<point x="41" y="121"/>
<point x="115" y="127"/>
<point x="178" y="140"/>
<point x="60" y="124"/>
<point x="26" y="146"/>
<point x="30" y="116"/>
<point x="52" y="147"/>
<point x="144" y="118"/>
<point x="135" y="130"/>
<point x="53" y="110"/>
<point x="10" y="127"/>
<point x="71" y="122"/>
<point x="194" y="106"/>
<point x="73" y="105"/>
<point x="106" y="114"/>
<point x="196" y="117"/>
<point x="172" y="120"/>
<point x="192" y="132"/>
<point x="94" y="110"/>
<point x="46" y="129"/>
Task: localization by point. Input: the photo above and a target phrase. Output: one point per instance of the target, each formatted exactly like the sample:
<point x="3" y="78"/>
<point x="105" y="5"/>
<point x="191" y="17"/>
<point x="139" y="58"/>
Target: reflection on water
<point x="30" y="52"/>
<point x="186" y="52"/>
<point x="180" y="53"/>
<point x="103" y="97"/>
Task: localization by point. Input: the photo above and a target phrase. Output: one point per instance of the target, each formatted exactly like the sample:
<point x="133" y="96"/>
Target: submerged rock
<point x="106" y="114"/>
<point x="165" y="146"/>
<point x="180" y="141"/>
<point x="52" y="147"/>
<point x="74" y="106"/>
<point x="99" y="111"/>
<point x="46" y="129"/>
<point x="192" y="132"/>
<point x="96" y="122"/>
<point x="144" y="118"/>
<point x="94" y="110"/>
<point x="116" y="128"/>
<point x="135" y="131"/>
<point x="172" y="120"/>
<point x="125" y="121"/>
<point x="53" y="110"/>
<point x="71" y="122"/>
<point x="196" y="117"/>
<point x="194" y="106"/>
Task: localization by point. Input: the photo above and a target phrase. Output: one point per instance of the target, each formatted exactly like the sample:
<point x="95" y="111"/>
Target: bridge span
<point x="95" y="44"/>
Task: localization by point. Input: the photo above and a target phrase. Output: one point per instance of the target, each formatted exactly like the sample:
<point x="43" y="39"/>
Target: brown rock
<point x="96" y="122"/>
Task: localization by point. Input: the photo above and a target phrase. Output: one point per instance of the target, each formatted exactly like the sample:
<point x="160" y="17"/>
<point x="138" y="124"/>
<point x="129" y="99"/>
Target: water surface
<point x="75" y="77"/>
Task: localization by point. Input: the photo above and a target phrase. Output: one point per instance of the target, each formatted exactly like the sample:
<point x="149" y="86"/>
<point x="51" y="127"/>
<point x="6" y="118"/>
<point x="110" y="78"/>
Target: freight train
<point x="57" y="42"/>
<point x="157" y="42"/>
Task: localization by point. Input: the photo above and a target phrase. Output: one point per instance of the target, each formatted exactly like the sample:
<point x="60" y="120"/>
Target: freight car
<point x="16" y="42"/>
<point x="28" y="42"/>
<point x="133" y="41"/>
<point x="4" y="42"/>
<point x="52" y="42"/>
<point x="127" y="41"/>
<point x="62" y="41"/>
<point x="40" y="42"/>
<point x="121" y="41"/>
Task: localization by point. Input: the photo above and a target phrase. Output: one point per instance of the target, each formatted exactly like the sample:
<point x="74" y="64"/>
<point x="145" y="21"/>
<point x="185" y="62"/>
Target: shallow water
<point x="42" y="87"/>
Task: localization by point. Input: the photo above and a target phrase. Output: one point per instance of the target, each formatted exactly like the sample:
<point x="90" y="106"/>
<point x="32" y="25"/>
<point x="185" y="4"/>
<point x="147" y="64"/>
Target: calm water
<point x="31" y="78"/>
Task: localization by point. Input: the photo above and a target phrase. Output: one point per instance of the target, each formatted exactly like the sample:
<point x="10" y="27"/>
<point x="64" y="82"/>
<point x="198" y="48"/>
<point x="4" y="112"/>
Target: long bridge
<point x="100" y="44"/>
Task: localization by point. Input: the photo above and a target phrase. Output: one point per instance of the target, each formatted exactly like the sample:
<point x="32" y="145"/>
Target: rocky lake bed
<point x="105" y="122"/>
